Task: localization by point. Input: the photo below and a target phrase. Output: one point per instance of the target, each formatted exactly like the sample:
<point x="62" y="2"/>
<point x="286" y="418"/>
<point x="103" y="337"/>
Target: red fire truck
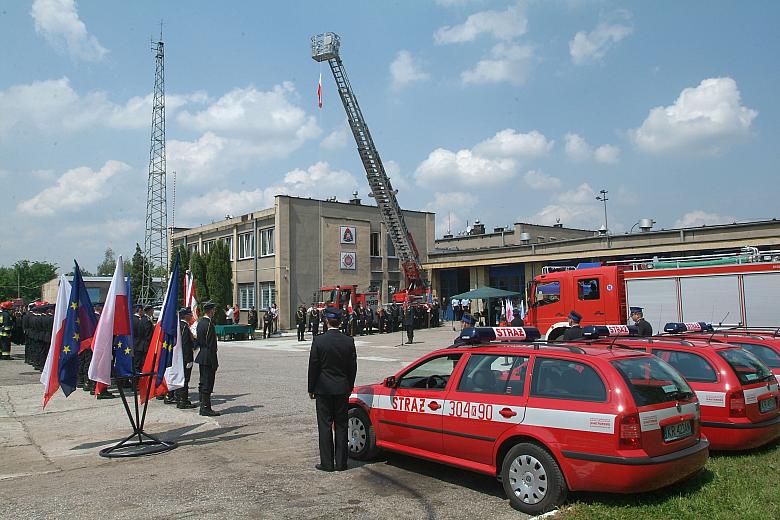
<point x="338" y="296"/>
<point x="738" y="289"/>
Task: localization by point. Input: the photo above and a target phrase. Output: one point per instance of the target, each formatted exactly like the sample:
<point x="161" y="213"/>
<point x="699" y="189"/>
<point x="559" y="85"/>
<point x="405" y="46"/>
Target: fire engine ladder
<point x="325" y="47"/>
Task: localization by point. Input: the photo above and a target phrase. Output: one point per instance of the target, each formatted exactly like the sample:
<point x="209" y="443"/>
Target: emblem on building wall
<point x="348" y="260"/>
<point x="348" y="234"/>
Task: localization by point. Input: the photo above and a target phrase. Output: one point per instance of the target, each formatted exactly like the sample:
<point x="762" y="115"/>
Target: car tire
<point x="360" y="432"/>
<point x="532" y="479"/>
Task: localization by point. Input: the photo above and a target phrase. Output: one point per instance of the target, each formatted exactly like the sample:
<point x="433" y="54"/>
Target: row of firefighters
<point x="366" y="320"/>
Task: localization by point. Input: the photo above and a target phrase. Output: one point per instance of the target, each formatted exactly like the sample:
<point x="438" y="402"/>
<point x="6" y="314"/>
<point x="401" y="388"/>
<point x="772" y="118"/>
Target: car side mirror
<point x="390" y="382"/>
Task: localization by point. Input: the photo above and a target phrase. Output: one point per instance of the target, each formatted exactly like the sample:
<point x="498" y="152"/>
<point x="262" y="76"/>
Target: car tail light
<point x="630" y="432"/>
<point x="737" y="404"/>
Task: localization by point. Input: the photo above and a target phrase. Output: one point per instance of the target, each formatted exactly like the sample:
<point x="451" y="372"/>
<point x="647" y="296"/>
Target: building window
<point x="267" y="294"/>
<point x="267" y="242"/>
<point x="390" y="248"/>
<point x="193" y="248"/>
<point x="246" y="295"/>
<point x="228" y="240"/>
<point x="374" y="246"/>
<point x="246" y="246"/>
<point x="207" y="246"/>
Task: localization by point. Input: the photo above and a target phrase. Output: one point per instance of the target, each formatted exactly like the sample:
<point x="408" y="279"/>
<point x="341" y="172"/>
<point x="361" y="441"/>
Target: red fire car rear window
<point x="747" y="366"/>
<point x="652" y="381"/>
<point x="762" y="352"/>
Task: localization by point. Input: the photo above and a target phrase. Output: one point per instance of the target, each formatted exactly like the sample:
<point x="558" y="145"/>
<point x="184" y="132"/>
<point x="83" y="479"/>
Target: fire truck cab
<point x="596" y="292"/>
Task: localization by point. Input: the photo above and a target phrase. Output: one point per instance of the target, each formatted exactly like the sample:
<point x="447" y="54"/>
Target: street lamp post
<point x="604" y="199"/>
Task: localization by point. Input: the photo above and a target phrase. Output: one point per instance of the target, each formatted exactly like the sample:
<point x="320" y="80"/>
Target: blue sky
<point x="502" y="111"/>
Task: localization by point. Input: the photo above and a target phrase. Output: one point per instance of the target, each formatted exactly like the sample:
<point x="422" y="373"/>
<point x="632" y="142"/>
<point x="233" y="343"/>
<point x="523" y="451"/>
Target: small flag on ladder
<point x="319" y="92"/>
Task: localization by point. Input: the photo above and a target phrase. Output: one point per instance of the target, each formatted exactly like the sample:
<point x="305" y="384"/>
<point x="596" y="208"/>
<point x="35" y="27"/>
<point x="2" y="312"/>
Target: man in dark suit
<point x="332" y="371"/>
<point x="408" y="320"/>
<point x="207" y="358"/>
<point x="187" y="347"/>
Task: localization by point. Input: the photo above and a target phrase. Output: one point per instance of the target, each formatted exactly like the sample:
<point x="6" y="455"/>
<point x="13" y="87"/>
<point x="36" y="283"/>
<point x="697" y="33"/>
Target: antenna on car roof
<point x="714" y="331"/>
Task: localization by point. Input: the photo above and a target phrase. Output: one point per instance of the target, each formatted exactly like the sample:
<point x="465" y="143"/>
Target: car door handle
<point x="507" y="412"/>
<point x="598" y="313"/>
<point x="433" y="405"/>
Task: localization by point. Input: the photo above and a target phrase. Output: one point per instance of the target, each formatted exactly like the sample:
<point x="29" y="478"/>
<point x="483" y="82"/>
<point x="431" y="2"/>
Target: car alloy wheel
<point x="357" y="434"/>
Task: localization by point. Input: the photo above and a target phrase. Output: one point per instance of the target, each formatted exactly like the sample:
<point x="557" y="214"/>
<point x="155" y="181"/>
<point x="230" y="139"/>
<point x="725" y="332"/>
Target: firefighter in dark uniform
<point x="206" y="341"/>
<point x="6" y="328"/>
<point x="332" y="371"/>
<point x="187" y="354"/>
<point x="393" y="317"/>
<point x="643" y="327"/>
<point x="47" y="323"/>
<point x="300" y="321"/>
<point x="314" y="320"/>
<point x="574" y="332"/>
<point x="85" y="358"/>
<point x="408" y="319"/>
<point x="26" y="329"/>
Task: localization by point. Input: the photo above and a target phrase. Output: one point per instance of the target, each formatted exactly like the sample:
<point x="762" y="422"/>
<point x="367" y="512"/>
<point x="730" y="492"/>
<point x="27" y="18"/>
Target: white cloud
<point x="538" y="180"/>
<point x="405" y="70"/>
<point x="248" y="111"/>
<point x="593" y="46"/>
<point x="706" y="118"/>
<point x="241" y="128"/>
<point x="451" y="208"/>
<point x="490" y="162"/>
<point x="75" y="190"/>
<point x="337" y="139"/>
<point x="508" y="62"/>
<point x="579" y="150"/>
<point x="502" y="25"/>
<point x="508" y="143"/>
<point x="53" y="106"/>
<point x="397" y="179"/>
<point x="573" y="208"/>
<point x="59" y="23"/>
<point x="317" y="181"/>
<point x="702" y="218"/>
<point x="465" y="168"/>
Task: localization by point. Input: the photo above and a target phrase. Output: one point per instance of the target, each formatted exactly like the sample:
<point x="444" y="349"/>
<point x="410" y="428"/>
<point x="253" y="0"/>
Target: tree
<point x="137" y="273"/>
<point x="25" y="278"/>
<point x="107" y="266"/>
<point x="198" y="267"/>
<point x="219" y="279"/>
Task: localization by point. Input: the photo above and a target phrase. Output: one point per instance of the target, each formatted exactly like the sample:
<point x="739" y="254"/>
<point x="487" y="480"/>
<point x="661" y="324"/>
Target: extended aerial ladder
<point x="325" y="47"/>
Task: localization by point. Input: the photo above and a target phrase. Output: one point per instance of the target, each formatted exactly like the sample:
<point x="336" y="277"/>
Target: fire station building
<point x="284" y="254"/>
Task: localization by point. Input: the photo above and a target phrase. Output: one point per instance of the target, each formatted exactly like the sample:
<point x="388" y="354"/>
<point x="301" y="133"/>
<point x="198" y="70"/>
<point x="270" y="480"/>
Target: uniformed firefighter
<point x="574" y="332"/>
<point x="314" y="320"/>
<point x="408" y="320"/>
<point x="207" y="358"/>
<point x="300" y="321"/>
<point x="187" y="354"/>
<point x="643" y="327"/>
<point x="6" y="329"/>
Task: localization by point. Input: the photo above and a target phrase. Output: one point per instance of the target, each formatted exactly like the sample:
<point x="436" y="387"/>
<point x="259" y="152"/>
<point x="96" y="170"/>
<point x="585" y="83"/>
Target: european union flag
<point x="78" y="329"/>
<point x="169" y="323"/>
<point x="123" y="345"/>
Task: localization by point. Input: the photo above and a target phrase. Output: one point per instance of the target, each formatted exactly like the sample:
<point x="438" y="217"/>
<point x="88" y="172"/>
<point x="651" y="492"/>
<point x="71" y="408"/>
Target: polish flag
<point x="50" y="376"/>
<point x="114" y="321"/>
<point x="190" y="301"/>
<point x="349" y="305"/>
<point x="319" y="92"/>
<point x="510" y="311"/>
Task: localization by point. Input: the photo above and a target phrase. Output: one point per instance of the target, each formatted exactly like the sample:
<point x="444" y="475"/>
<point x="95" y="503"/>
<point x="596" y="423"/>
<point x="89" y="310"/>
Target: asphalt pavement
<point x="254" y="461"/>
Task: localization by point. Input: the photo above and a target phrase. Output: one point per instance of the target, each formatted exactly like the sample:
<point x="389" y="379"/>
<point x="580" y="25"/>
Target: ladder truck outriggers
<point x="325" y="47"/>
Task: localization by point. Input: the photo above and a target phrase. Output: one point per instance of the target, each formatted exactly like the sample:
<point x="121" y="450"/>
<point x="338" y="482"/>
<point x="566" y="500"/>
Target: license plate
<point x="767" y="405"/>
<point x="677" y="431"/>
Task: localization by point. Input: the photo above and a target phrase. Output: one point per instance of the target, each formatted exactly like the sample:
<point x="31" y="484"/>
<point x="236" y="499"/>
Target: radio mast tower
<point x="156" y="236"/>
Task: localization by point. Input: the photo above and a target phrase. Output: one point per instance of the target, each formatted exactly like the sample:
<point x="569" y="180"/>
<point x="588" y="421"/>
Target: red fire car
<point x="738" y="393"/>
<point x="543" y="418"/>
<point x="764" y="344"/>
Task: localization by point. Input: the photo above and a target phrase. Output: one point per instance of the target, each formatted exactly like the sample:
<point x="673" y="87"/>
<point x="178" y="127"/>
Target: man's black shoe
<point x="323" y="468"/>
<point x="345" y="468"/>
<point x="106" y="395"/>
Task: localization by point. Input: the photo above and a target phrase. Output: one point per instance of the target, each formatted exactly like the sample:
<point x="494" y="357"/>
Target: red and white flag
<point x="190" y="301"/>
<point x="510" y="311"/>
<point x="114" y="321"/>
<point x="49" y="376"/>
<point x="349" y="305"/>
<point x="319" y="92"/>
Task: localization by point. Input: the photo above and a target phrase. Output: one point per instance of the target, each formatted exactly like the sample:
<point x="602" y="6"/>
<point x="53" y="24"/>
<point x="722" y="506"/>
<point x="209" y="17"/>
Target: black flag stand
<point x="146" y="444"/>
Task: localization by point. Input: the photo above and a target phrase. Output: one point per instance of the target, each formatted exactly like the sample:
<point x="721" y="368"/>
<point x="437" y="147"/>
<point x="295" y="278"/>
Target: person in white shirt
<point x="229" y="314"/>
